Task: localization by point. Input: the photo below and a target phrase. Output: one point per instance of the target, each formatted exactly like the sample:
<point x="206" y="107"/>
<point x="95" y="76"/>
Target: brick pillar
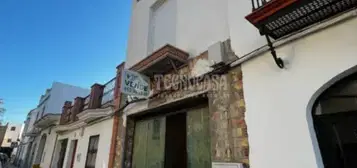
<point x="67" y="105"/>
<point x="115" y="147"/>
<point x="229" y="137"/>
<point x="77" y="107"/>
<point x="117" y="93"/>
<point x="96" y="95"/>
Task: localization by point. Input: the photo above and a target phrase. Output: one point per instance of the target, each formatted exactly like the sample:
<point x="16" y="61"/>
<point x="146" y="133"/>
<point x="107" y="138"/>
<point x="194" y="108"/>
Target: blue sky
<point x="78" y="42"/>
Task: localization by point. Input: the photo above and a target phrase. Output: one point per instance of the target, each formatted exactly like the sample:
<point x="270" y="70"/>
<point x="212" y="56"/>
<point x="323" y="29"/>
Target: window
<point x="9" y="140"/>
<point x="162" y="24"/>
<point x="12" y="128"/>
<point x="92" y="151"/>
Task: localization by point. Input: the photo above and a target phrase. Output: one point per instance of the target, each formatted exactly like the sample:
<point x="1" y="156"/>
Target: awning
<point x="161" y="61"/>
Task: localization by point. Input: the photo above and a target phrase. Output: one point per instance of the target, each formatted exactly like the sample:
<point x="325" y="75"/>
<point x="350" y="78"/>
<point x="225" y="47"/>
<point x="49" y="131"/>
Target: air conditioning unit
<point x="221" y="53"/>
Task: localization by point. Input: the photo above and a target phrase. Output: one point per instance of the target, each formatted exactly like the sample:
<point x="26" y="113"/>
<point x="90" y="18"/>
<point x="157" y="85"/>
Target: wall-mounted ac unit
<point x="221" y="53"/>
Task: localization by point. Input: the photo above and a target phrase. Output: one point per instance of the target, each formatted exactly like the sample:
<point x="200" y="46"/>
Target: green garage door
<point x="149" y="143"/>
<point x="198" y="138"/>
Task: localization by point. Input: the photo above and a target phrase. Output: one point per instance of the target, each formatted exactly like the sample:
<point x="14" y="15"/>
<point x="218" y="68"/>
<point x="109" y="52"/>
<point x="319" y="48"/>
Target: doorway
<point x="173" y="140"/>
<point x="175" y="147"/>
<point x="72" y="153"/>
<point x="335" y="123"/>
<point x="62" y="152"/>
<point x="40" y="149"/>
<point x="32" y="153"/>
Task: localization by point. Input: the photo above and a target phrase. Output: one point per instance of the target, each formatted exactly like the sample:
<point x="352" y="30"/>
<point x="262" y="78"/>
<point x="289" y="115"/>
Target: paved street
<point x="10" y="166"/>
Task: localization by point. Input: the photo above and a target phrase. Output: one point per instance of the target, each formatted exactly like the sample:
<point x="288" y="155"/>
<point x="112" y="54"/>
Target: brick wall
<point x="229" y="138"/>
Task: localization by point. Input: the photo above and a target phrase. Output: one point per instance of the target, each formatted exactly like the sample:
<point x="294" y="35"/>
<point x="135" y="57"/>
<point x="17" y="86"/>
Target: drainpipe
<point x="117" y="103"/>
<point x="113" y="141"/>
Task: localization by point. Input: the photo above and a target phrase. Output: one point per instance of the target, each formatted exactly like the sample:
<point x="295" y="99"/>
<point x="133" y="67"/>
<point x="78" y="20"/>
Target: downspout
<point x="113" y="141"/>
<point x="117" y="100"/>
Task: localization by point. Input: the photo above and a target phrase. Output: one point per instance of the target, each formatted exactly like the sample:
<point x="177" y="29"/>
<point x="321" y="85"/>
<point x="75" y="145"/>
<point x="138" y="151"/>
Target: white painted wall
<point x="245" y="38"/>
<point x="33" y="114"/>
<point x="60" y="93"/>
<point x="13" y="135"/>
<point x="103" y="129"/>
<point x="162" y="23"/>
<point x="278" y="102"/>
<point x="198" y="24"/>
<point x="49" y="146"/>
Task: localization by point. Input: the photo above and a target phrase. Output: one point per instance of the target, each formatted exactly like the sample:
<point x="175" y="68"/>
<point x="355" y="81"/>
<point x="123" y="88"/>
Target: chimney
<point x="77" y="107"/>
<point x="96" y="95"/>
<point x="67" y="105"/>
<point x="117" y="92"/>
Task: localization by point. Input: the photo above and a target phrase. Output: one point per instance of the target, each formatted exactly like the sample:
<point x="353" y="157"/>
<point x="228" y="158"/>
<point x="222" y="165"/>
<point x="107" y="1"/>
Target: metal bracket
<point x="277" y="60"/>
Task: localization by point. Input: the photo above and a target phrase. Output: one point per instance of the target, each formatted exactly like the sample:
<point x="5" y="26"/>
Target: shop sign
<point x="135" y="84"/>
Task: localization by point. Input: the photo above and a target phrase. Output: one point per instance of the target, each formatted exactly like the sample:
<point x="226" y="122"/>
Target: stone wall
<point x="229" y="137"/>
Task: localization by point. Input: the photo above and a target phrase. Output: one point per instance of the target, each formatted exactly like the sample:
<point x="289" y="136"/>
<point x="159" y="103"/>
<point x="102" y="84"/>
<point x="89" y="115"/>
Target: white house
<point x="39" y="139"/>
<point x="290" y="54"/>
<point x="12" y="135"/>
<point x="84" y="133"/>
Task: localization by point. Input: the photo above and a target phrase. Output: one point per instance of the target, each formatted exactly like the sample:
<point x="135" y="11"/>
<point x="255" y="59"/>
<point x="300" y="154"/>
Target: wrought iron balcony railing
<point x="69" y="113"/>
<point x="277" y="18"/>
<point x="108" y="92"/>
<point x="259" y="3"/>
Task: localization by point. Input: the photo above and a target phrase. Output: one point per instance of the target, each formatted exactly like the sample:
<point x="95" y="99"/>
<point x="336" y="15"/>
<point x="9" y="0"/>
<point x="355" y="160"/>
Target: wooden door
<point x="149" y="144"/>
<point x="198" y="138"/>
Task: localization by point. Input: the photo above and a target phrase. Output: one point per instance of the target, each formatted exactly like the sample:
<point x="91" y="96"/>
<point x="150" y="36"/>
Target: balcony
<point x="66" y="115"/>
<point x="108" y="93"/>
<point x="33" y="132"/>
<point x="97" y="104"/>
<point x="86" y="102"/>
<point x="47" y="121"/>
<point x="278" y="18"/>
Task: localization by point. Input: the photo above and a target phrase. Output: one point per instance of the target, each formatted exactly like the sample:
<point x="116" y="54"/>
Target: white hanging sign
<point x="135" y="84"/>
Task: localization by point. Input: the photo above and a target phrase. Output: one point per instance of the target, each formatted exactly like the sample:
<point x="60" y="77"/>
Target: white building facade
<point x="278" y="102"/>
<point x="37" y="144"/>
<point x="12" y="135"/>
<point x="78" y="140"/>
<point x="84" y="133"/>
